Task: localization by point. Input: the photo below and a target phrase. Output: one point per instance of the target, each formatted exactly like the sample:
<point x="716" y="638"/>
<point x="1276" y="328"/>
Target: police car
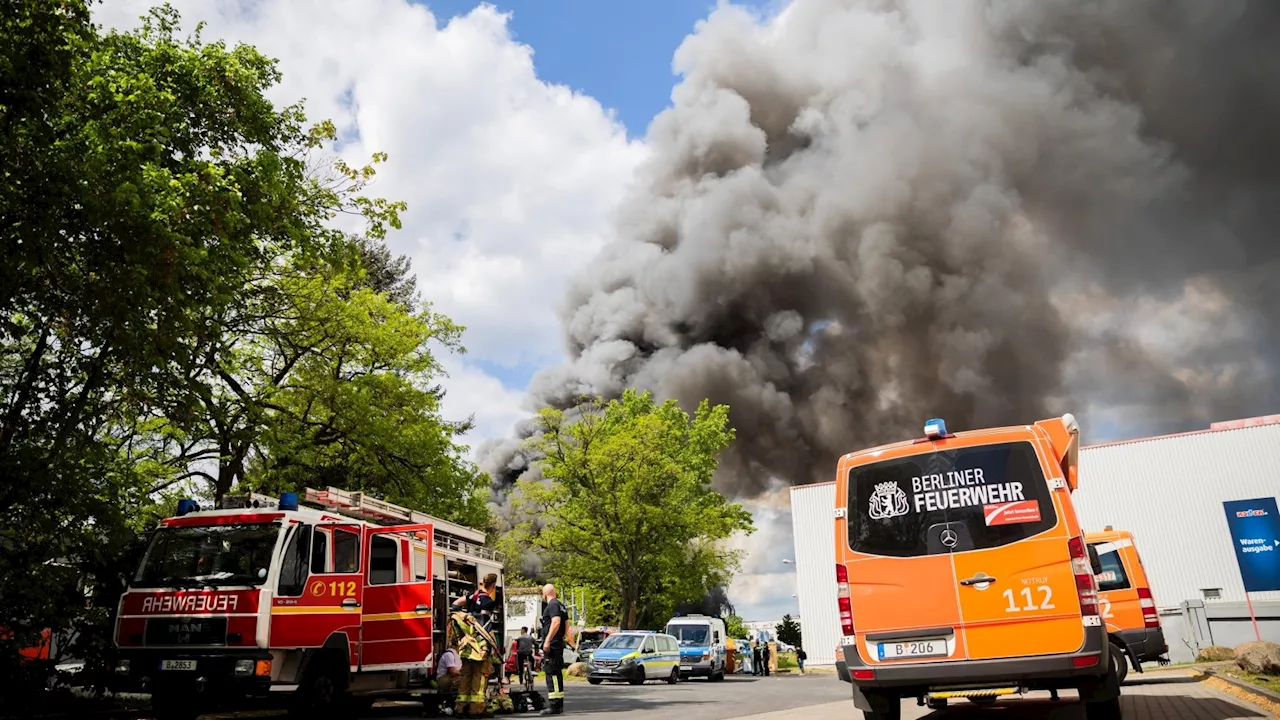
<point x="635" y="656"/>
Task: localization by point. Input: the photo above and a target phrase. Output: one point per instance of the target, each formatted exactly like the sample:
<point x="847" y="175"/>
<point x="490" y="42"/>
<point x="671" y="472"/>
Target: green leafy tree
<point x="627" y="505"/>
<point x="735" y="626"/>
<point x="356" y="408"/>
<point x="788" y="631"/>
<point x="150" y="200"/>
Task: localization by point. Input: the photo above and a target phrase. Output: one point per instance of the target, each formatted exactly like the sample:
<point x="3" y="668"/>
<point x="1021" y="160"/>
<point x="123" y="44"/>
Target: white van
<point x="702" y="645"/>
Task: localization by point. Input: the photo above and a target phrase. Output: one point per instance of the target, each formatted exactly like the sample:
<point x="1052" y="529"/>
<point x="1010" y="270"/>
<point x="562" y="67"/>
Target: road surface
<point x="1172" y="695"/>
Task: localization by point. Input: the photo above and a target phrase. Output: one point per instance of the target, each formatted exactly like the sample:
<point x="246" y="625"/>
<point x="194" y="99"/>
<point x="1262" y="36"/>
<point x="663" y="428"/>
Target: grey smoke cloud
<point x="864" y="213"/>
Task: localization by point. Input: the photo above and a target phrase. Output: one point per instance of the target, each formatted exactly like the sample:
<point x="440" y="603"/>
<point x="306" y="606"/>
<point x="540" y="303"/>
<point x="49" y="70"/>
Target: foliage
<point x="788" y="631"/>
<point x="735" y="626"/>
<point x="352" y="410"/>
<point x="627" y="504"/>
<point x="169" y="247"/>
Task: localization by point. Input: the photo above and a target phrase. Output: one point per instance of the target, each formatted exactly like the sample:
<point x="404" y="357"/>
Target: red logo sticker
<point x="1025" y="511"/>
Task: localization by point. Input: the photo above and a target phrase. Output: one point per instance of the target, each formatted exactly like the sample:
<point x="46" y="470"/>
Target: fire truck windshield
<point x="208" y="556"/>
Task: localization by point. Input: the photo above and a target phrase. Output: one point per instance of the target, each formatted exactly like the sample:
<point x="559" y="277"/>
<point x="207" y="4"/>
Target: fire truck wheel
<point x="173" y="706"/>
<point x="323" y="693"/>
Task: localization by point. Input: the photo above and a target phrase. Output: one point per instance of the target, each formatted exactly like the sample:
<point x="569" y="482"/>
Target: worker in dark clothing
<point x="480" y="603"/>
<point x="764" y="657"/>
<point x="524" y="653"/>
<point x="555" y="625"/>
<point x="755" y="658"/>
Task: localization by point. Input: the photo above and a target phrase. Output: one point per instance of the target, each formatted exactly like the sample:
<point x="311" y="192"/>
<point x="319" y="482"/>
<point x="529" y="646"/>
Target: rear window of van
<point x="949" y="501"/>
<point x="1113" y="575"/>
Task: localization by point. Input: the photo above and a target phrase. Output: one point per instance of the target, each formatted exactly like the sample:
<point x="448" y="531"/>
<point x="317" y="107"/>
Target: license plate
<point x="177" y="664"/>
<point x="686" y="667"/>
<point x="915" y="648"/>
<point x="605" y="671"/>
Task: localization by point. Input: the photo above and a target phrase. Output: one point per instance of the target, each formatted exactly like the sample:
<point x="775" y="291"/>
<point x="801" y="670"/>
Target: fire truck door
<point x="397" y="609"/>
<point x="330" y="604"/>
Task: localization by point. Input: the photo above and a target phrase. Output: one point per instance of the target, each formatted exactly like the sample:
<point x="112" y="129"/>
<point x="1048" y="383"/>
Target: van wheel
<point x="1120" y="662"/>
<point x="674" y="677"/>
<point x="1104" y="710"/>
<point x="639" y="677"/>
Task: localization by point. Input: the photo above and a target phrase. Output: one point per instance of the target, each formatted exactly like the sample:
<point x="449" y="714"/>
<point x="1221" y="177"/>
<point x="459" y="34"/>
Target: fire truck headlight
<point x="122" y="667"/>
<point x="244" y="667"/>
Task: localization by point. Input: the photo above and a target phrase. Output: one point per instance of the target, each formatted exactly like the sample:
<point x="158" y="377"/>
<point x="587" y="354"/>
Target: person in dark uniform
<point x="755" y="657"/>
<point x="524" y="652"/>
<point x="555" y="624"/>
<point x="764" y="657"/>
<point x="480" y="603"/>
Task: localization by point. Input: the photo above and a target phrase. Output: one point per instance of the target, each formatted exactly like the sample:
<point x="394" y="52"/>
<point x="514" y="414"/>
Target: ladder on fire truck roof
<point x="448" y="536"/>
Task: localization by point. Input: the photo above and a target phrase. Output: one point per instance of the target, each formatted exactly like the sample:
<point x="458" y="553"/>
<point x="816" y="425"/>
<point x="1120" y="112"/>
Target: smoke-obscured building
<point x="1168" y="491"/>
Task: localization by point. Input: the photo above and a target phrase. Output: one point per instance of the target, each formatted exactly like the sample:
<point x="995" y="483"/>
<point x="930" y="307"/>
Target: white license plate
<point x="177" y="664"/>
<point x="686" y="667"/>
<point x="605" y="671"/>
<point x="915" y="648"/>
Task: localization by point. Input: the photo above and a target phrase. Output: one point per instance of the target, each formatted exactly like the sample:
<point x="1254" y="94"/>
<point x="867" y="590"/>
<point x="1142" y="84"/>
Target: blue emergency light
<point x="289" y="501"/>
<point x="935" y="428"/>
<point x="186" y="505"/>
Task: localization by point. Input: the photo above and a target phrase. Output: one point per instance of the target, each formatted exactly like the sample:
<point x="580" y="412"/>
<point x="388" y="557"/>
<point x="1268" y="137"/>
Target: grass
<point x="1267" y="682"/>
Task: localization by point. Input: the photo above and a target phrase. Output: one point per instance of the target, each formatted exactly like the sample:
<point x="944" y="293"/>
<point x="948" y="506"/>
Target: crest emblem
<point x="888" y="501"/>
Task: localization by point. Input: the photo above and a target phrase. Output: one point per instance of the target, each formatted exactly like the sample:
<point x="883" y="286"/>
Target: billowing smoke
<point x="864" y="213"/>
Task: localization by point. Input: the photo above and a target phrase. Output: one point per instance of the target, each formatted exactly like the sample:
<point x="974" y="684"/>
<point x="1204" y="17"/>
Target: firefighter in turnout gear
<point x="477" y="648"/>
<point x="555" y="625"/>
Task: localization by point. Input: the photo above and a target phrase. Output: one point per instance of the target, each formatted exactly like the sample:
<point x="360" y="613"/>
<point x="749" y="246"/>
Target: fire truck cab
<point x="334" y="601"/>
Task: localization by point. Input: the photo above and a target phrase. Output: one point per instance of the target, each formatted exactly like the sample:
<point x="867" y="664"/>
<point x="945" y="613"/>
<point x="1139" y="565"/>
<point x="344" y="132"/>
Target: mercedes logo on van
<point x="950" y="538"/>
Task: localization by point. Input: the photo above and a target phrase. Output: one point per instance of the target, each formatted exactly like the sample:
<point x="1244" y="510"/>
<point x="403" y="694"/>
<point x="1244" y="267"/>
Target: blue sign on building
<point x="1255" y="534"/>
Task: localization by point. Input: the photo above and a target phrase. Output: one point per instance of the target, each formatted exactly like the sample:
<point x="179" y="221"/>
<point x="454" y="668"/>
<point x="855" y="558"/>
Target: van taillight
<point x="1150" y="618"/>
<point x="842" y="599"/>
<point x="1086" y="587"/>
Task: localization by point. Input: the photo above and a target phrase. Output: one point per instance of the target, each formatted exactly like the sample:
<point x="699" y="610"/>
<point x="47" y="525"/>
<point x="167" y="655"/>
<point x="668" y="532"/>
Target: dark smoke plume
<point x="864" y="213"/>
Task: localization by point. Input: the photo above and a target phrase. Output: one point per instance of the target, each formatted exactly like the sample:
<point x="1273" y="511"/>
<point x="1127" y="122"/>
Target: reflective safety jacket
<point x="474" y="641"/>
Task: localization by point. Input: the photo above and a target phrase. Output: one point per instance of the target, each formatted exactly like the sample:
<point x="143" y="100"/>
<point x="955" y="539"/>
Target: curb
<point x="1250" y="688"/>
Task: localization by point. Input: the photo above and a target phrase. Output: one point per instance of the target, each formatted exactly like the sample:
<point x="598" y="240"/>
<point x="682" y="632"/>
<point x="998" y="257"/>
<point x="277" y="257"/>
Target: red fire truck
<point x="335" y="601"/>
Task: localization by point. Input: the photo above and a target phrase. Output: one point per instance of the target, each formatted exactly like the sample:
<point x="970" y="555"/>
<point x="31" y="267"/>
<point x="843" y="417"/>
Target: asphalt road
<point x="736" y="696"/>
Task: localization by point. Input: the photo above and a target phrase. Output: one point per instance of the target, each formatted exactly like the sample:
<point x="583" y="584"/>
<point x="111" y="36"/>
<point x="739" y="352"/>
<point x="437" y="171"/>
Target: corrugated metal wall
<point x="1169" y="492"/>
<point x="812" y="526"/>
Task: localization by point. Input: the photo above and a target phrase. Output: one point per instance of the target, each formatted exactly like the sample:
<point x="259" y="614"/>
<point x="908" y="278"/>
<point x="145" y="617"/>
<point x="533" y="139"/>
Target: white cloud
<point x="471" y="392"/>
<point x="510" y="181"/>
<point x="763" y="589"/>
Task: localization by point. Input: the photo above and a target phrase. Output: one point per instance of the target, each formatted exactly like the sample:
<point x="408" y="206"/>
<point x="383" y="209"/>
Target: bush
<point x="1215" y="653"/>
<point x="787" y="660"/>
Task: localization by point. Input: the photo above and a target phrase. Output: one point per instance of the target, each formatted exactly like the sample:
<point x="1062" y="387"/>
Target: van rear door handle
<point x="979" y="579"/>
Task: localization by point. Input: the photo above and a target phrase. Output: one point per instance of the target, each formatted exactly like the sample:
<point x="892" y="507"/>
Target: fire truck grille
<point x="186" y="631"/>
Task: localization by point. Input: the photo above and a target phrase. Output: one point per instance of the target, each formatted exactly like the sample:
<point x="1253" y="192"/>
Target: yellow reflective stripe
<point x="304" y="610"/>
<point x="556" y="695"/>
<point x="396" y="616"/>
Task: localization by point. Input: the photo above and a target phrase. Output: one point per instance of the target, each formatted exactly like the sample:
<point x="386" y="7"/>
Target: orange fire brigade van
<point x="962" y="571"/>
<point x="331" y="605"/>
<point x="1125" y="600"/>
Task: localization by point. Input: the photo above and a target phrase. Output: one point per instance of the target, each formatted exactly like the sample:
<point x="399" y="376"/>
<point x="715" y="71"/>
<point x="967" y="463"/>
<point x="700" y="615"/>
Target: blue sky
<point x="617" y="51"/>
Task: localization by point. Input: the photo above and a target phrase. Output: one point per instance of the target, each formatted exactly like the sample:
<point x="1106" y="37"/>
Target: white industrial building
<point x="1168" y="491"/>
